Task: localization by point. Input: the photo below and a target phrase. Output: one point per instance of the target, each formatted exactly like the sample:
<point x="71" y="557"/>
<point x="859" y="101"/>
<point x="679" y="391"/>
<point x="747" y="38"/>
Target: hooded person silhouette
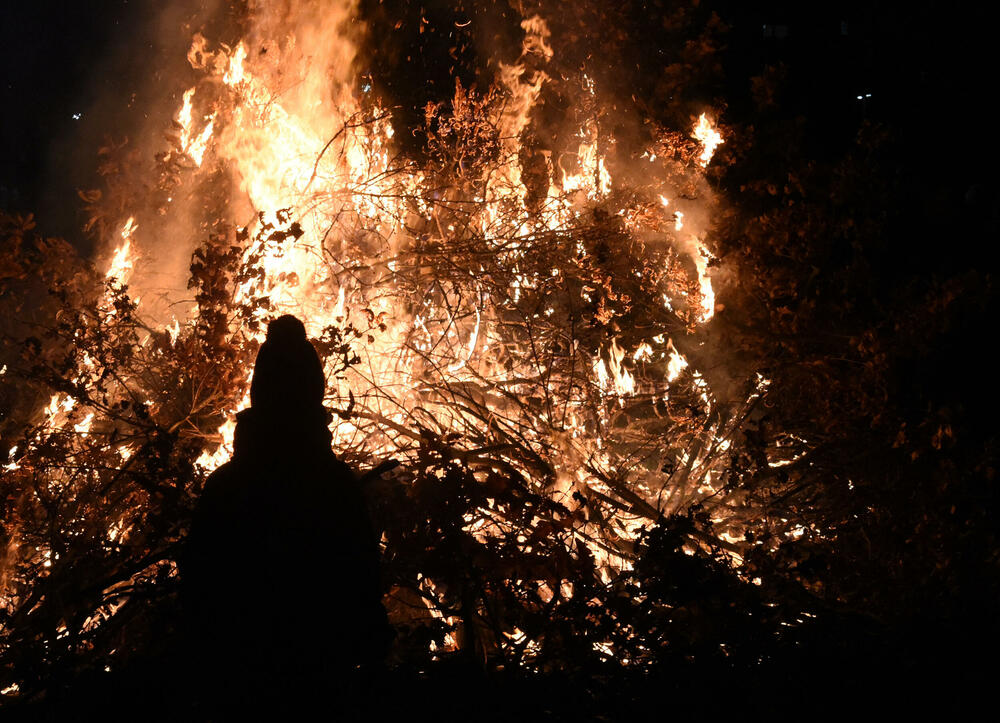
<point x="281" y="575"/>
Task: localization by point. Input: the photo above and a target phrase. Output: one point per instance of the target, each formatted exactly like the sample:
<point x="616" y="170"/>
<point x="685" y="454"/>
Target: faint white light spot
<point x="77" y="116"/>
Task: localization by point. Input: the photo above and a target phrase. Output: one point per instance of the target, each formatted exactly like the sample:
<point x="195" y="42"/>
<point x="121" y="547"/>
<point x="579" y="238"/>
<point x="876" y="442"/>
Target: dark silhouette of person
<point x="281" y="572"/>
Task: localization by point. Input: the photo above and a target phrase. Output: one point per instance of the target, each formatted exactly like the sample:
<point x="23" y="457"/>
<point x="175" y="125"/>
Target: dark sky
<point x="926" y="64"/>
<point x="74" y="75"/>
<point x="49" y="50"/>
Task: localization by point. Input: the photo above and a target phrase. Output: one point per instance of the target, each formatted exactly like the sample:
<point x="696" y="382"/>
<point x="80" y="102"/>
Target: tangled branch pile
<point x="519" y="456"/>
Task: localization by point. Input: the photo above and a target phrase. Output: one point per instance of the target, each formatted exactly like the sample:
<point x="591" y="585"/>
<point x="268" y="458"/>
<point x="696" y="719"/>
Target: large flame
<point x="315" y="160"/>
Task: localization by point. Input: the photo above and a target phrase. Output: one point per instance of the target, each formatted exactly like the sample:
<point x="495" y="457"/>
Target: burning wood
<point x="507" y="337"/>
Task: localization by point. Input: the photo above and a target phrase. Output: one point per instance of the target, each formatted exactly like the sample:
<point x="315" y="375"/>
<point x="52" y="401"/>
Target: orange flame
<point x="709" y="137"/>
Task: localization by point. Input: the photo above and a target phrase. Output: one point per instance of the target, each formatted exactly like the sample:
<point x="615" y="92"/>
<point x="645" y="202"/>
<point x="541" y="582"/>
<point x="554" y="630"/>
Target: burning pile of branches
<point x="502" y="327"/>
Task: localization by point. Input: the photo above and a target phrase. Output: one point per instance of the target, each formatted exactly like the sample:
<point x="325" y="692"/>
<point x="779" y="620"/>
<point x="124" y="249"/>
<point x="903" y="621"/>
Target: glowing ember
<point x="676" y="365"/>
<point x="709" y="137"/>
<point x="121" y="264"/>
<point x="193" y="144"/>
<point x="701" y="259"/>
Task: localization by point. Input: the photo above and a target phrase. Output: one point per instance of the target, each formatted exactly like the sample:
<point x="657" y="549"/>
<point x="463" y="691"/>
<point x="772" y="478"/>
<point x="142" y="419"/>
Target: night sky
<point x="49" y="50"/>
<point x="73" y="73"/>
